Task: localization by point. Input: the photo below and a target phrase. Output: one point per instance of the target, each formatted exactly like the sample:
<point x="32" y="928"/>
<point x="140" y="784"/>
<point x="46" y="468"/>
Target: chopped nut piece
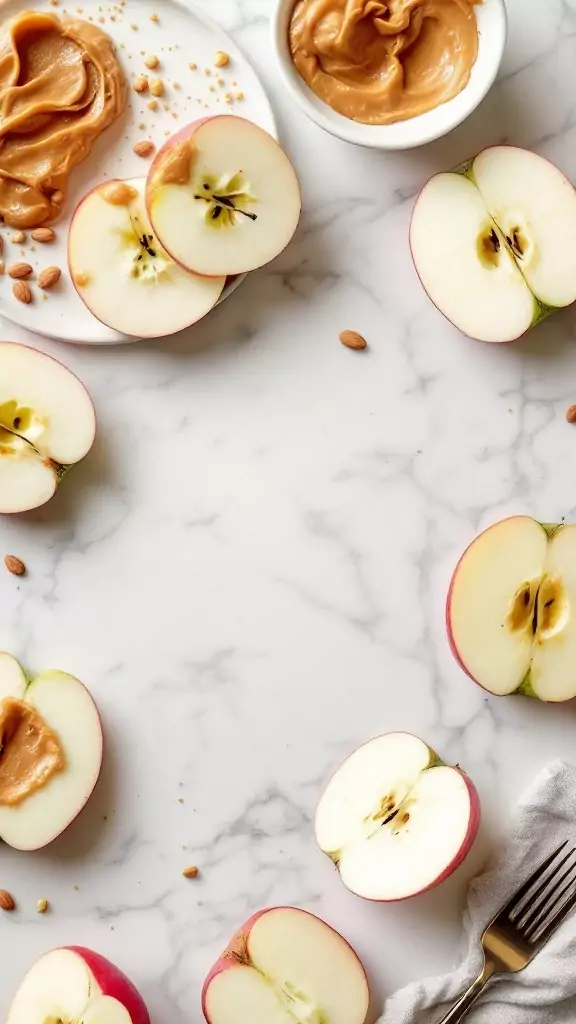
<point x="6" y="900"/>
<point x="41" y="906"/>
<point x="153" y="105"/>
<point x="228" y="97"/>
<point x="151" y="61"/>
<point x="141" y="84"/>
<point x="18" y="237"/>
<point x="144" y="148"/>
<point x="221" y="59"/>
<point x="44" y="235"/>
<point x="193" y="66"/>
<point x="156" y="86"/>
<point x="18" y="270"/>
<point x="353" y="340"/>
<point x="154" y="18"/>
<point x="15" y="565"/>
<point x="239" y="95"/>
<point x="191" y="872"/>
<point x="21" y="291"/>
<point x="49" y="277"/>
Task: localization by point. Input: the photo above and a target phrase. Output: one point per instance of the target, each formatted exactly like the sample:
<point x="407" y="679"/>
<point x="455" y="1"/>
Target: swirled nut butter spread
<point x="30" y="753"/>
<point x="380" y="61"/>
<point x="60" y="86"/>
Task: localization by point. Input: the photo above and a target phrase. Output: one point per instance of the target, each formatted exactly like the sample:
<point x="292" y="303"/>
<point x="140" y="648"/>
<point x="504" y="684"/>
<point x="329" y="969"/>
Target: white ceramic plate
<point x="183" y="35"/>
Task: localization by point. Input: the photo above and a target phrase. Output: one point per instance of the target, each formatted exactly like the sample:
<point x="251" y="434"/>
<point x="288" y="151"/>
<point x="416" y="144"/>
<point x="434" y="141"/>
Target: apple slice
<point x="534" y="205"/>
<point x="122" y="273"/>
<point x="73" y="985"/>
<point x="47" y="424"/>
<point x="395" y="820"/>
<point x="223" y="197"/>
<point x="508" y="612"/>
<point x="465" y="265"/>
<point x="66" y="708"/>
<point x="283" y="966"/>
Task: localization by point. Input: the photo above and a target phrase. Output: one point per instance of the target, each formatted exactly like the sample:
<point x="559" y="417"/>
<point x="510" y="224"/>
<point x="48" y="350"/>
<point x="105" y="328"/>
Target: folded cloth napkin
<point x="545" y="992"/>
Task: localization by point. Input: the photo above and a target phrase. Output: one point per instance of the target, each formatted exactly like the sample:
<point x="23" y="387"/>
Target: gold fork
<point x="524" y="925"/>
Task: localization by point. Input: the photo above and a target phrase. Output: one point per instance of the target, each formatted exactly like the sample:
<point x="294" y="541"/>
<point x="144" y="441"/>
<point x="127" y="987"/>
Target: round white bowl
<point x="416" y="131"/>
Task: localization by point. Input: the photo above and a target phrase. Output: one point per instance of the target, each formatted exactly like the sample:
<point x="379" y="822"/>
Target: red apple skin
<point x="226" y="961"/>
<point x="114" y="983"/>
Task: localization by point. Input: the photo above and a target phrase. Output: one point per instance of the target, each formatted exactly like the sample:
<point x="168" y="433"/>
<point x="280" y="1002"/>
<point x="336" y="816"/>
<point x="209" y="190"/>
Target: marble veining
<point x="250" y="569"/>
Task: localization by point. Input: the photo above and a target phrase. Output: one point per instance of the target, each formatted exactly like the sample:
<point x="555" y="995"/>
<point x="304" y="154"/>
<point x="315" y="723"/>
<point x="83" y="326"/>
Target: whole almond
<point x="14" y="565"/>
<point x="49" y="277"/>
<point x="21" y="291"/>
<point x="571" y="414"/>
<point x="18" y="270"/>
<point x="141" y="84"/>
<point x="6" y="900"/>
<point x="191" y="872"/>
<point x="353" y="340"/>
<point x="45" y="235"/>
<point x="144" y="148"/>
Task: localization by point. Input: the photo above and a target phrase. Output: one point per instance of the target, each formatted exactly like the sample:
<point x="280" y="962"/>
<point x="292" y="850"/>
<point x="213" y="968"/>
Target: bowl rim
<point x="433" y="124"/>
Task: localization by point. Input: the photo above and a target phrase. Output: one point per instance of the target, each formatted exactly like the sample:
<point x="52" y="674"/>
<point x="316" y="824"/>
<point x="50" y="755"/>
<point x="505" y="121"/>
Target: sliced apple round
<point x="223" y="197"/>
<point x="47" y="424"/>
<point x="534" y="206"/>
<point x="63" y="755"/>
<point x="395" y="820"/>
<point x="509" y="609"/>
<point x="124" y="275"/>
<point x="285" y="966"/>
<point x="73" y="985"/>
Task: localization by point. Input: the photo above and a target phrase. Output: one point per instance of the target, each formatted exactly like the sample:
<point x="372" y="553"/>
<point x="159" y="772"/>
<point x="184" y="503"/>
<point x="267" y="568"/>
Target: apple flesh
<point x="234" y="204"/>
<point x="122" y="273"/>
<point x="68" y="710"/>
<point x="508" y="612"/>
<point x="395" y="820"/>
<point x="73" y="985"/>
<point x="286" y="966"/>
<point x="47" y="424"/>
<point x="492" y="243"/>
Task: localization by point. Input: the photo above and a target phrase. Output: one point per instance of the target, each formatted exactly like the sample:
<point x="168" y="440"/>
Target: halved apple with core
<point x="50" y="753"/>
<point x="509" y="609"/>
<point x="395" y="820"/>
<point x="223" y="197"/>
<point x="286" y="966"/>
<point x="124" y="275"/>
<point x="47" y="424"/>
<point x="73" y="985"/>
<point x="492" y="242"/>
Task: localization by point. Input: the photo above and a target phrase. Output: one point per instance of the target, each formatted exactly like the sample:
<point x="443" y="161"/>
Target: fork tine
<point x="541" y="937"/>
<point x="517" y="898"/>
<point x="554" y="897"/>
<point x="541" y="899"/>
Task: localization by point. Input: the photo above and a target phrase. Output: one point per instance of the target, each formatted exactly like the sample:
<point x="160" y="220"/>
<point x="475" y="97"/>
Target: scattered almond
<point x="144" y="148"/>
<point x="571" y="414"/>
<point x="18" y="270"/>
<point x="221" y="59"/>
<point x="44" y="235"/>
<point x="156" y="86"/>
<point x="353" y="340"/>
<point x="2" y="268"/>
<point x="18" y="237"/>
<point x="41" y="906"/>
<point x="151" y="61"/>
<point x="141" y="84"/>
<point x="21" y="291"/>
<point x="191" y="872"/>
<point x="49" y="277"/>
<point x="14" y="565"/>
<point x="6" y="900"/>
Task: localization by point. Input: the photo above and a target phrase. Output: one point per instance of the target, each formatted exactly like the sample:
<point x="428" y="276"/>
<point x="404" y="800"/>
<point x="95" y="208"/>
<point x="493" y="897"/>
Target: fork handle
<point x="461" y="1008"/>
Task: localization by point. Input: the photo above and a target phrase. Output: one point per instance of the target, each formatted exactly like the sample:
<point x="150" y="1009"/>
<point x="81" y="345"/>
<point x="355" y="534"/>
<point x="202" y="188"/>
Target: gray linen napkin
<point x="545" y="992"/>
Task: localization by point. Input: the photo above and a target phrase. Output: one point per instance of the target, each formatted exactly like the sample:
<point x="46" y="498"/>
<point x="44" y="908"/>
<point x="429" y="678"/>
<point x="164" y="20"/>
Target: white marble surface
<point x="249" y="570"/>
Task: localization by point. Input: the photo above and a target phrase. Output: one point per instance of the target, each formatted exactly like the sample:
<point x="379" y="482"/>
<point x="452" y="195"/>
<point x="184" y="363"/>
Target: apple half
<point x="65" y="706"/>
<point x="223" y="197"/>
<point x="47" y="424"/>
<point x="509" y="609"/>
<point x="395" y="820"/>
<point x="124" y="275"/>
<point x="73" y="985"/>
<point x="286" y="966"/>
<point x="492" y="243"/>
